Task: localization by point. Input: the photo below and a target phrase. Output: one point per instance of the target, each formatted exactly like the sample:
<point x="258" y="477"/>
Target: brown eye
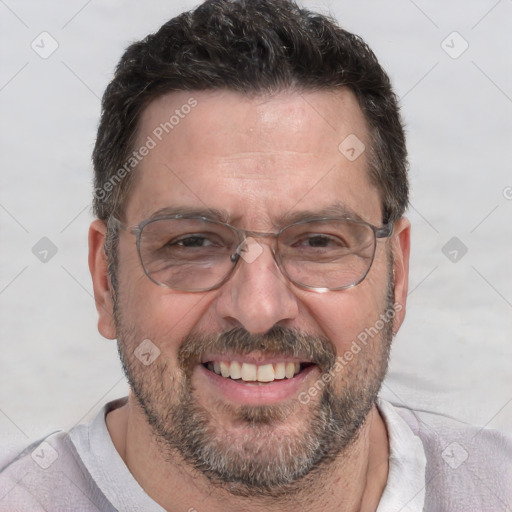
<point x="192" y="241"/>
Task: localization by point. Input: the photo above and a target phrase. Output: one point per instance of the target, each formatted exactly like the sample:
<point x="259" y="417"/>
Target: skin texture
<point x="259" y="159"/>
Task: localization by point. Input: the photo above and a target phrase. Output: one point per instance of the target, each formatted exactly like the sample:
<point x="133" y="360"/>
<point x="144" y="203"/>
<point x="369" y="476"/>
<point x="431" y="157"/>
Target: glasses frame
<point x="242" y="235"/>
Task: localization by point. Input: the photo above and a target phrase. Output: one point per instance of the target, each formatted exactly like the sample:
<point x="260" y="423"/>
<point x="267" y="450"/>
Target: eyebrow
<point x="335" y="210"/>
<point x="191" y="211"/>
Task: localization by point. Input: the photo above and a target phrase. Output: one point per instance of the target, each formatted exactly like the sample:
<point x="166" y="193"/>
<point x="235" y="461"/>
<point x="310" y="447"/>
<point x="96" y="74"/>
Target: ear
<point x="100" y="279"/>
<point x="400" y="246"/>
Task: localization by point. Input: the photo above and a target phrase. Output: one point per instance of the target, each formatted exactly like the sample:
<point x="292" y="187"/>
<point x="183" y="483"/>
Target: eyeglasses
<point x="195" y="254"/>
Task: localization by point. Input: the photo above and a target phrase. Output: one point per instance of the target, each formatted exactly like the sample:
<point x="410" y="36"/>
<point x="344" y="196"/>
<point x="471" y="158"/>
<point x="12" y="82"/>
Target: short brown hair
<point x="249" y="46"/>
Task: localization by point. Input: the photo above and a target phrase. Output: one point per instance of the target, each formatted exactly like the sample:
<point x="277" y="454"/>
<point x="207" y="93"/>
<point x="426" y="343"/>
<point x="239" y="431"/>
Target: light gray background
<point x="454" y="353"/>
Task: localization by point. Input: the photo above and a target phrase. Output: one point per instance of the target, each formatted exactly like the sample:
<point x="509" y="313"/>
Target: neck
<point x="353" y="482"/>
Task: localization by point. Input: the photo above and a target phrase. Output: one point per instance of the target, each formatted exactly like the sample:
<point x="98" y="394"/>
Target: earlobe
<point x="100" y="280"/>
<point x="401" y="243"/>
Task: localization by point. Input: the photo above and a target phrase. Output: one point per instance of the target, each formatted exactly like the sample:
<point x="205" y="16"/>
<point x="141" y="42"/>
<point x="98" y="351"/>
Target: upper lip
<point x="253" y="358"/>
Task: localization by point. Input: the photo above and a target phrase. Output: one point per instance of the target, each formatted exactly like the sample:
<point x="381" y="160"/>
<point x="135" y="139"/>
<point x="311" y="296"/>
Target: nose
<point x="257" y="296"/>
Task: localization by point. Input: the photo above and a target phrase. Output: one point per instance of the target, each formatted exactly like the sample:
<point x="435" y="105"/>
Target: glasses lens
<point x="187" y="254"/>
<point x="327" y="254"/>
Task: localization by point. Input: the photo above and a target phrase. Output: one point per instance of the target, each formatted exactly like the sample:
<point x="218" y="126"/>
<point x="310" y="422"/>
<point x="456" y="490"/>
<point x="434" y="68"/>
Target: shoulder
<point x="48" y="474"/>
<point x="467" y="467"/>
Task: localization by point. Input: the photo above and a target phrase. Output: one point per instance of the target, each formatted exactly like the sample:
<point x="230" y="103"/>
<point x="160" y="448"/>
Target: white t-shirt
<point x="436" y="464"/>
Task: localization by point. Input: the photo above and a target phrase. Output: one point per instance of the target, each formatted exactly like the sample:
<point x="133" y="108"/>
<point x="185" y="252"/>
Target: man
<point x="251" y="258"/>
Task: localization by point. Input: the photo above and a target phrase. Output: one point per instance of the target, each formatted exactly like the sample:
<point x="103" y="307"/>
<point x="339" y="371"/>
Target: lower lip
<point x="245" y="393"/>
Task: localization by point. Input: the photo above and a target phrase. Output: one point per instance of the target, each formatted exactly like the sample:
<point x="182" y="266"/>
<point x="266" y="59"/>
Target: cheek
<point x="154" y="312"/>
<point x="344" y="315"/>
<point x="164" y="315"/>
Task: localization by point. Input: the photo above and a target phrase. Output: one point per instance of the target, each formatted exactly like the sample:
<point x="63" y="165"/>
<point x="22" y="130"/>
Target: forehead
<point x="255" y="158"/>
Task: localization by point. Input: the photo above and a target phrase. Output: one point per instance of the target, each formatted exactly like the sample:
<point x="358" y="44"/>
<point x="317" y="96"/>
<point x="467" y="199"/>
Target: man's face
<point x="260" y="161"/>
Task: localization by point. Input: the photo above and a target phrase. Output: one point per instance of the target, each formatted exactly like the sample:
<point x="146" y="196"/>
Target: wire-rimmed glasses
<point x="196" y="254"/>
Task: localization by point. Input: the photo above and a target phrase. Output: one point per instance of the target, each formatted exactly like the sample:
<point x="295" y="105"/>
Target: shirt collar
<point x="404" y="490"/>
<point x="405" y="487"/>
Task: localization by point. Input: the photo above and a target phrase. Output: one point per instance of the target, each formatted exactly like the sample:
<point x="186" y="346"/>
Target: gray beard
<point x="266" y="461"/>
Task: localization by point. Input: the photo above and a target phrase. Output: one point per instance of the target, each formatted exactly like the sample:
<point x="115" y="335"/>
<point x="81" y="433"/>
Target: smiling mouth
<point x="262" y="373"/>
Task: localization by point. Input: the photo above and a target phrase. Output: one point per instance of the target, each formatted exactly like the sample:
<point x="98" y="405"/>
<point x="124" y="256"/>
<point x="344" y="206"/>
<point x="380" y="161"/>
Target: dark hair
<point x="253" y="47"/>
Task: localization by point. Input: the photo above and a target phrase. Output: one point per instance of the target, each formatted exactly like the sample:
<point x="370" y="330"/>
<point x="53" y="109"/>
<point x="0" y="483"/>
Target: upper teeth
<point x="253" y="372"/>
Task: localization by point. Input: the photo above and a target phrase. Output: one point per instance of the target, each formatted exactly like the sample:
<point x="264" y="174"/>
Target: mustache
<point x="278" y="341"/>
